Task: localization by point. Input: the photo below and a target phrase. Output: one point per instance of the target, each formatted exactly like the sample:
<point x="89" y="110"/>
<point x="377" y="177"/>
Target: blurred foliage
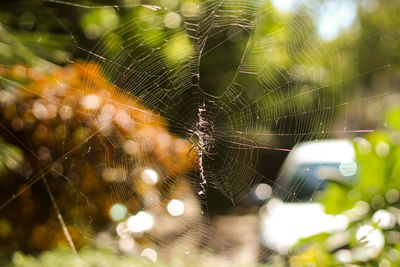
<point x="52" y="135"/>
<point x="371" y="205"/>
<point x="10" y="157"/>
<point x="379" y="168"/>
<point x="63" y="257"/>
<point x="89" y="257"/>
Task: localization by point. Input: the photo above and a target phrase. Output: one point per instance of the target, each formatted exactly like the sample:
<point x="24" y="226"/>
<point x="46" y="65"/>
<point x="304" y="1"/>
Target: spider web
<point x="225" y="119"/>
<point x="280" y="91"/>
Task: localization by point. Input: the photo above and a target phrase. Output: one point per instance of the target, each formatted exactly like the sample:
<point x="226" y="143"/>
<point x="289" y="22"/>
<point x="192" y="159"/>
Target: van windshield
<point x="308" y="179"/>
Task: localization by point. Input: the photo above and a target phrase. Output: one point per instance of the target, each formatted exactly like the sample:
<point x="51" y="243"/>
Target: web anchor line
<point x="59" y="217"/>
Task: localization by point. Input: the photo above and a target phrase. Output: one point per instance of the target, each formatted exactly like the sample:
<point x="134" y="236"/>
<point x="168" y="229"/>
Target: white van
<point x="291" y="214"/>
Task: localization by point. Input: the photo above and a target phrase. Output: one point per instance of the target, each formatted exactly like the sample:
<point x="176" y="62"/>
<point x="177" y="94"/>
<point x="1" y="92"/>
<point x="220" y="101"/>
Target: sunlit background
<point x="94" y="162"/>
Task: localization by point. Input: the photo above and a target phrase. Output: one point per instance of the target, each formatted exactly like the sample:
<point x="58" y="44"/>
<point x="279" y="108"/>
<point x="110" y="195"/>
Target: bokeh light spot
<point x="263" y="191"/>
<point x="118" y="212"/>
<point x="172" y="20"/>
<point x="149" y="176"/>
<point x="141" y="222"/>
<point x="176" y="207"/>
<point x="150" y="254"/>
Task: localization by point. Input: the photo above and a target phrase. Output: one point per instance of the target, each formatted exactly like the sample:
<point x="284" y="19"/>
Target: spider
<point x="195" y="140"/>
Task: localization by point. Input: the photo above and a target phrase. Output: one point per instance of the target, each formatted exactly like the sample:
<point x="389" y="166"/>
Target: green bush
<point x="64" y="257"/>
<point x="92" y="257"/>
<point x="371" y="205"/>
